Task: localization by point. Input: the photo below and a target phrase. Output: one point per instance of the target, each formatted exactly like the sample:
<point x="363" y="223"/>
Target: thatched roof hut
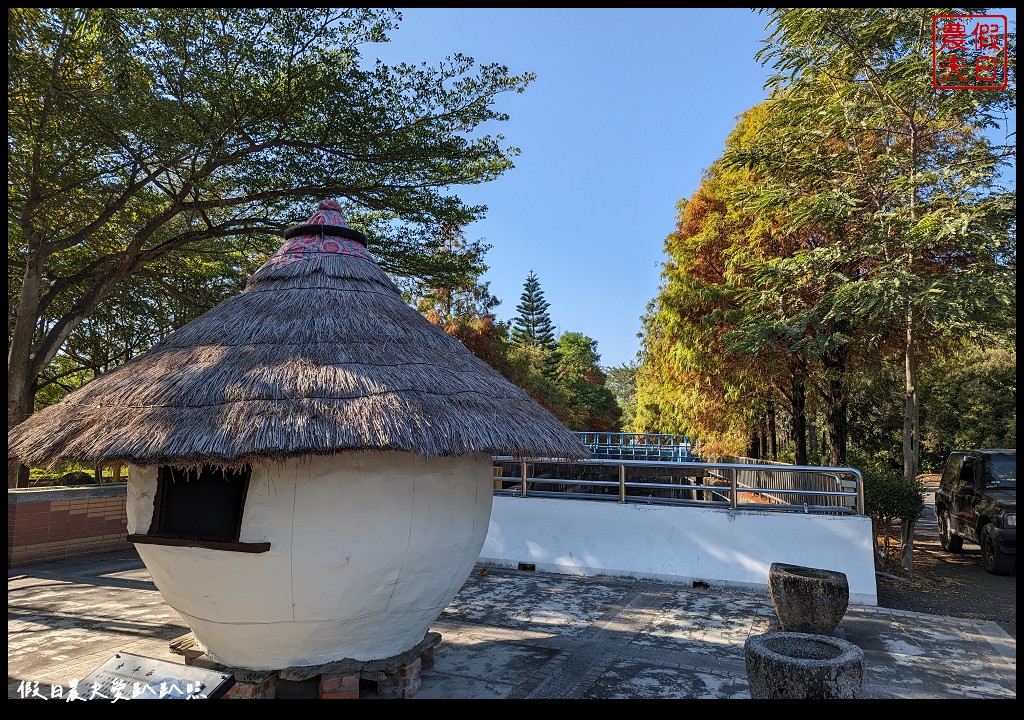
<point x="310" y="474"/>
<point x="319" y="355"/>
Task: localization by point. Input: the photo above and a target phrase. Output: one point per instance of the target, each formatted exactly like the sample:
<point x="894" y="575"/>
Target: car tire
<point x="996" y="561"/>
<point x="950" y="542"/>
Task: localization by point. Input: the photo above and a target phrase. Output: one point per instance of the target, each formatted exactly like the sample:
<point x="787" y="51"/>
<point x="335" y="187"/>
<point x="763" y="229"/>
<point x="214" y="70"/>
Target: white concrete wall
<point x="366" y="550"/>
<point x="677" y="544"/>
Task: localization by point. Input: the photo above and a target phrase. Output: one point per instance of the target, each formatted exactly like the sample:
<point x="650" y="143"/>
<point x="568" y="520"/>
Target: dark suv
<point x="977" y="502"/>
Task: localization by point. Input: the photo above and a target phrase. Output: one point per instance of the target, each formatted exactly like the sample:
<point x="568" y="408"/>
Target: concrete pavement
<point x="522" y="635"/>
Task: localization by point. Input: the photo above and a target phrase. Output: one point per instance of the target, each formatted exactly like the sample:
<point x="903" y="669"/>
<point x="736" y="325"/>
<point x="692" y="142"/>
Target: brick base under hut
<point x="395" y="677"/>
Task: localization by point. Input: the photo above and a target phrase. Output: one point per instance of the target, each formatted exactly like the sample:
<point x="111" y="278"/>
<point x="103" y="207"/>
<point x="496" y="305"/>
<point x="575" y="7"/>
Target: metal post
<point x="732" y="484"/>
<point x="860" y="493"/>
<point x="622" y="483"/>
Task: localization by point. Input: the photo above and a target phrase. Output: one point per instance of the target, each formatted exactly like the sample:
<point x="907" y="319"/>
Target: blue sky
<point x="628" y="109"/>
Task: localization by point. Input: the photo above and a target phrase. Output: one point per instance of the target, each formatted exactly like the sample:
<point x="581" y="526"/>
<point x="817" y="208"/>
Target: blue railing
<point x="639" y="446"/>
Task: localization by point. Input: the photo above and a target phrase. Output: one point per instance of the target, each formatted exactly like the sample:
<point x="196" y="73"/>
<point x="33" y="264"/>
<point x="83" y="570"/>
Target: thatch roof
<point x="319" y="355"/>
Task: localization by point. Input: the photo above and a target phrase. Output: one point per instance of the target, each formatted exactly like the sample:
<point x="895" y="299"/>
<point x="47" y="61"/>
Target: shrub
<point x="889" y="498"/>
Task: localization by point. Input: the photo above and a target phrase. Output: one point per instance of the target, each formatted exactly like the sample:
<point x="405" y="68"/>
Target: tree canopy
<point x="146" y="136"/>
<point x="859" y="215"/>
<point x="897" y="181"/>
<point x="589" y="403"/>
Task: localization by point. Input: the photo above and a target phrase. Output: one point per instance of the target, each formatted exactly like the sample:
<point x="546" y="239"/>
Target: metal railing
<point x="737" y="486"/>
<point x="793" y="486"/>
<point x="639" y="446"/>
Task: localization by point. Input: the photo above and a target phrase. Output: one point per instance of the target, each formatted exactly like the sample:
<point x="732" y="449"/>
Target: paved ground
<point x="513" y="634"/>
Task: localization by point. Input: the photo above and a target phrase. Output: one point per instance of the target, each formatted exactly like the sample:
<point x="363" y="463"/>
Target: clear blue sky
<point x="628" y="109"/>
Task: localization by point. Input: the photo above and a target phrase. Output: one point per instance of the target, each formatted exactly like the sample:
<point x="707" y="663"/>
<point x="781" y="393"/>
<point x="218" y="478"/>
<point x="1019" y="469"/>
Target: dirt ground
<point x="942" y="583"/>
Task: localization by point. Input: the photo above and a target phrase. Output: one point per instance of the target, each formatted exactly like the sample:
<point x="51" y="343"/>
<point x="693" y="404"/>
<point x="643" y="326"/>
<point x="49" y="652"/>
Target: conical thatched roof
<point x="319" y="355"/>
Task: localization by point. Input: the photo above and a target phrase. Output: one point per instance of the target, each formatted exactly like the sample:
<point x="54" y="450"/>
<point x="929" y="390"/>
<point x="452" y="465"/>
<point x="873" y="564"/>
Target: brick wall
<point x="59" y="523"/>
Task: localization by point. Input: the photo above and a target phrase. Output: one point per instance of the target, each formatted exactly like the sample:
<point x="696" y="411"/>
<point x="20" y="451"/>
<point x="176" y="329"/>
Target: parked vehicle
<point x="977" y="503"/>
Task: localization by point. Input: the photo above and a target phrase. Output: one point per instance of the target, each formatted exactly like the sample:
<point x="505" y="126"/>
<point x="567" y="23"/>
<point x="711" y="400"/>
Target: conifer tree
<point x="533" y="326"/>
<point x="533" y="333"/>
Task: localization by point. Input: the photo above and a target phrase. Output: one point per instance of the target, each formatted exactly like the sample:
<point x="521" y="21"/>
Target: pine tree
<point x="532" y="326"/>
<point x="533" y="333"/>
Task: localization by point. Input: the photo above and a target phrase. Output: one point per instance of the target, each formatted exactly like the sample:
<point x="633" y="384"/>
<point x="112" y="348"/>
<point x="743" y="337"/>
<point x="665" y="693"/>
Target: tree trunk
<point x="754" y="444"/>
<point x="799" y="399"/>
<point x="22" y="369"/>
<point x="876" y="546"/>
<point x="838" y="433"/>
<point x="17" y="475"/>
<point x="837" y="408"/>
<point x="912" y="411"/>
<point x="911" y="417"/>
<point x="19" y="407"/>
<point x="812" y="434"/>
<point x="773" y="446"/>
<point x="907" y="542"/>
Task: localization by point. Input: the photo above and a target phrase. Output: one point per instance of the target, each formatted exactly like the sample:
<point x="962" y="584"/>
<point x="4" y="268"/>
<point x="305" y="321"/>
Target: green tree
<point x="158" y="299"/>
<point x="532" y="331"/>
<point x="876" y="411"/>
<point x="590" y="405"/>
<point x="863" y="141"/>
<point x="532" y="324"/>
<point x="465" y="311"/>
<point x="139" y="135"/>
<point x="528" y="368"/>
<point x="890" y="497"/>
<point x="463" y="297"/>
<point x="969" y="399"/>
<point x="685" y="382"/>
<point x="621" y="380"/>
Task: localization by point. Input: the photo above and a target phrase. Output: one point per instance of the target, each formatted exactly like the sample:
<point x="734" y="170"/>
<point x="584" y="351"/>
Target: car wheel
<point x="950" y="542"/>
<point x="996" y="561"/>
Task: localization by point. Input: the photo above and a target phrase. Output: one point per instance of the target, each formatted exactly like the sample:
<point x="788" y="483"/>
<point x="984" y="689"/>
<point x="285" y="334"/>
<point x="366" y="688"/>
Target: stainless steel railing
<point x="737" y="486"/>
<point x="789" y="485"/>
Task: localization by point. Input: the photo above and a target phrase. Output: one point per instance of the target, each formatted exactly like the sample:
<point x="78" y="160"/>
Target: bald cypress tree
<point x="903" y="177"/>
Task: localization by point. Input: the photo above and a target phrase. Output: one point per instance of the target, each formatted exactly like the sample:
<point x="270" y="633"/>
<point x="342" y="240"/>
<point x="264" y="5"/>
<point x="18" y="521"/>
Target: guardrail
<point x="738" y="486"/>
<point x="794" y="486"/>
<point x="639" y="446"/>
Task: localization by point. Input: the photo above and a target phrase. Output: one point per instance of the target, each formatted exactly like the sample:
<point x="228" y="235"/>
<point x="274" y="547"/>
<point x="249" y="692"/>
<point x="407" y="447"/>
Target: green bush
<point x="39" y="477"/>
<point x="55" y="476"/>
<point x="889" y="498"/>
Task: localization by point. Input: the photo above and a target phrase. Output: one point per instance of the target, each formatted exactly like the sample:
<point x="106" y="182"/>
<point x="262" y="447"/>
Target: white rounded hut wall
<point x="367" y="550"/>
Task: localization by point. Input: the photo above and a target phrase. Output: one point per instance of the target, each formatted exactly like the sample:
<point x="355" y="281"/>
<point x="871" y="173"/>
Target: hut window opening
<point x="200" y="508"/>
<point x="203" y="504"/>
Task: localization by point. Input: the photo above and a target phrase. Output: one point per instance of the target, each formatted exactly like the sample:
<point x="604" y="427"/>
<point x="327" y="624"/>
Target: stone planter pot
<point x="806" y="599"/>
<point x="788" y="665"/>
